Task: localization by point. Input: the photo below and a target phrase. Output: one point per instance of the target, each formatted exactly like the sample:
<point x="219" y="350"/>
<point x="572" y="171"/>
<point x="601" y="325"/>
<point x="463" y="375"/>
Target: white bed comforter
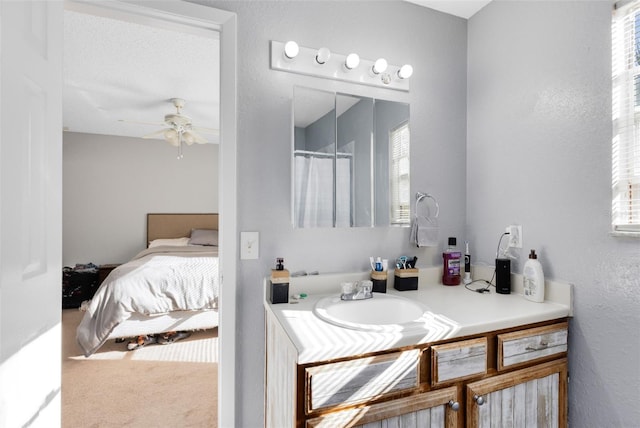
<point x="156" y="281"/>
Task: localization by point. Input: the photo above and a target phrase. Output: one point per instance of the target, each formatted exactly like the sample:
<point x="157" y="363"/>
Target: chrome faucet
<point x="358" y="290"/>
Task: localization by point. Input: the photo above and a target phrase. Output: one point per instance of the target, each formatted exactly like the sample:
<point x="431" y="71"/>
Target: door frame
<point x="205" y="18"/>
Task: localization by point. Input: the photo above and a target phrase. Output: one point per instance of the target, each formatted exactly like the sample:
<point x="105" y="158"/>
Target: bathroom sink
<point x="382" y="313"/>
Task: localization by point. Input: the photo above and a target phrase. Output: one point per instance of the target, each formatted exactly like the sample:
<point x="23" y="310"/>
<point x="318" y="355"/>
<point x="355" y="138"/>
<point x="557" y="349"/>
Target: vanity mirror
<point x="350" y="160"/>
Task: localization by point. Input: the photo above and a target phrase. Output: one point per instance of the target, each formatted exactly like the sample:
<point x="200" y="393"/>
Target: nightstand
<point x="104" y="270"/>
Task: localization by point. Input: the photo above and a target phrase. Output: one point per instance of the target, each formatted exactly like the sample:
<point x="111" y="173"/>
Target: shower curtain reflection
<point x="314" y="191"/>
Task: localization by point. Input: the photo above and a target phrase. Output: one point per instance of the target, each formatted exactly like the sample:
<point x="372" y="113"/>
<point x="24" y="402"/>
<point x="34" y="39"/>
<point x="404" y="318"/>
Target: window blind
<point x="625" y="33"/>
<point x="399" y="175"/>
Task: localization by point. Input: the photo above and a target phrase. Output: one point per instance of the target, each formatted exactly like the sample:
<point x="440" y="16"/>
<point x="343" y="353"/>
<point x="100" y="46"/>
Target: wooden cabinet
<point x="360" y="380"/>
<point x="530" y="345"/>
<point x="531" y="397"/>
<point x="459" y="360"/>
<point x="510" y="378"/>
<point x="433" y="409"/>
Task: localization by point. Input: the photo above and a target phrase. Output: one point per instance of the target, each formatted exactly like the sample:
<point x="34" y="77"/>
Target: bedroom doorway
<point x="172" y="15"/>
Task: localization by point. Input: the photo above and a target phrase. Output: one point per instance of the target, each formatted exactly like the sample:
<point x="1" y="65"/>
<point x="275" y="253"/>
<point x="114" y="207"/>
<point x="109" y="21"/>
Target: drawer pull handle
<point x="454" y="405"/>
<point x="479" y="399"/>
<point x="543" y="345"/>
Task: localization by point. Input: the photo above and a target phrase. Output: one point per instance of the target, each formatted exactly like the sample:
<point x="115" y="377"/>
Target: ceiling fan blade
<point x="156" y="134"/>
<point x="193" y="137"/>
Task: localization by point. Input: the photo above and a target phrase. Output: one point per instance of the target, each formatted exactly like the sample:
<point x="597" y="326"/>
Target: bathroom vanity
<point x="479" y="359"/>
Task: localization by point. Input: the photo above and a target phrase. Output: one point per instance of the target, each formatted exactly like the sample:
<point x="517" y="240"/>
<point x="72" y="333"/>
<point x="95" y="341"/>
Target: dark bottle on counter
<point x="451" y="264"/>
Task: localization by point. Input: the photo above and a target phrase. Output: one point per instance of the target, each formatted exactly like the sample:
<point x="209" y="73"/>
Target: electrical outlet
<point x="249" y="245"/>
<point x="515" y="236"/>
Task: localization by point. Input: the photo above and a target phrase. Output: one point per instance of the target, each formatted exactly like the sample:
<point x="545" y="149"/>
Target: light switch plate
<point x="249" y="245"/>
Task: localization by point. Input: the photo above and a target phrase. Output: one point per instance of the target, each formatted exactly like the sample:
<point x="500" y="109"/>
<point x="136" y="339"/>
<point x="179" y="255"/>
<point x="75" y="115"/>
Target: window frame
<point x="625" y="174"/>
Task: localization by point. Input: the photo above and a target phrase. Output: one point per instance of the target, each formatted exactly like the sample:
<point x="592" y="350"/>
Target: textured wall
<point x="539" y="155"/>
<point x="435" y="44"/>
<point x="111" y="183"/>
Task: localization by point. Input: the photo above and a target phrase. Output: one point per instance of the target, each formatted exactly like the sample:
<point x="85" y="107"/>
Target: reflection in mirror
<point x="351" y="161"/>
<point x="314" y="155"/>
<point x="354" y="179"/>
<point x="392" y="164"/>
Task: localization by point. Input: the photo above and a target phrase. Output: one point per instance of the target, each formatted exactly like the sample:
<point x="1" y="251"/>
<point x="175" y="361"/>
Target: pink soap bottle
<point x="451" y="264"/>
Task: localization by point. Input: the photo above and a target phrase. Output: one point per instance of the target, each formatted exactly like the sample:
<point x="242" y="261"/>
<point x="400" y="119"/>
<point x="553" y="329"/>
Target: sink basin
<point x="382" y="313"/>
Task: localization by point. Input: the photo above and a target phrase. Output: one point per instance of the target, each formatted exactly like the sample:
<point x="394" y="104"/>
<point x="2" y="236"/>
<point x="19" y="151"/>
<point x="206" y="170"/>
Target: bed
<point x="172" y="285"/>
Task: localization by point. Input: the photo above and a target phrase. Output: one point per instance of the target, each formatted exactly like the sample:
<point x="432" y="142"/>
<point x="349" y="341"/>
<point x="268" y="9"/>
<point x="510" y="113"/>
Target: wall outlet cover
<point x="515" y="236"/>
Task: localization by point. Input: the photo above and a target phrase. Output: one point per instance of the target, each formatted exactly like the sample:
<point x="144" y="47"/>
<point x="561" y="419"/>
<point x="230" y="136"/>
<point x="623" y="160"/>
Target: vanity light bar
<point x="330" y="65"/>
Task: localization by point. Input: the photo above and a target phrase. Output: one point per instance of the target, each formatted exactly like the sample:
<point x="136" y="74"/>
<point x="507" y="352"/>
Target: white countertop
<point x="454" y="311"/>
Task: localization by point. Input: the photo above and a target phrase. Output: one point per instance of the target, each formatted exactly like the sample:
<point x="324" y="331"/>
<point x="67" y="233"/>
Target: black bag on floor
<point x="78" y="284"/>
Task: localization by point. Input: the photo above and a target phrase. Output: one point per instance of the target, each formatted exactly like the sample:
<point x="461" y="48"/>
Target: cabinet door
<point x="532" y="397"/>
<point x="435" y="409"/>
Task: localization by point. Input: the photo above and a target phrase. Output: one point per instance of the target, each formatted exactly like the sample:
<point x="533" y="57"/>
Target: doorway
<point x="171" y="15"/>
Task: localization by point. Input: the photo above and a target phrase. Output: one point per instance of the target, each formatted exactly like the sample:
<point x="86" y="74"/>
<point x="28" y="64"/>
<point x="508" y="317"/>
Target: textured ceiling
<point x="116" y="70"/>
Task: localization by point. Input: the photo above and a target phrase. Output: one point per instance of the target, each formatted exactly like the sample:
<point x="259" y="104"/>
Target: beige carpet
<point x="155" y="386"/>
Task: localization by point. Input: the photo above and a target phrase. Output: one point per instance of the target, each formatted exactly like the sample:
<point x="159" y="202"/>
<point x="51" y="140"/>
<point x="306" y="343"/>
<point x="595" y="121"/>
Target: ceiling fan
<point x="180" y="128"/>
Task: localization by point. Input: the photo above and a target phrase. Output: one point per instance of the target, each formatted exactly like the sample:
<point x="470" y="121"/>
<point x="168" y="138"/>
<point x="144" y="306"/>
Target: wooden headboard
<point x="165" y="226"/>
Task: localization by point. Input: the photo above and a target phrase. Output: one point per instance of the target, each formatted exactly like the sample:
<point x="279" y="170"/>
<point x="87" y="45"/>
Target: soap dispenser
<point x="533" y="279"/>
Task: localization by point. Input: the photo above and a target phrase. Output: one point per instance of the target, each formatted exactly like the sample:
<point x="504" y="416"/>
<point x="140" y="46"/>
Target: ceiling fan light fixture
<point x="188" y="138"/>
<point x="172" y="137"/>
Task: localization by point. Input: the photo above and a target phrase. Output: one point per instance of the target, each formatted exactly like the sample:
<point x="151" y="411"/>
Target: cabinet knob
<point x="479" y="399"/>
<point x="454" y="405"/>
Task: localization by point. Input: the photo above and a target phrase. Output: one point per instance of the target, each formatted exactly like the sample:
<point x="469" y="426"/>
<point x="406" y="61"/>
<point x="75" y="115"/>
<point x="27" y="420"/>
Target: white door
<point x="30" y="212"/>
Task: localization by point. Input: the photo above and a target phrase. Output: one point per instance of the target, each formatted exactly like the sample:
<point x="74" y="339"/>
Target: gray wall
<point x="111" y="183"/>
<point x="435" y="44"/>
<point x="539" y="155"/>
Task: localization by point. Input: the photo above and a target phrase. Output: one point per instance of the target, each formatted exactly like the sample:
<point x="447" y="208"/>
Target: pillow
<point x="204" y="237"/>
<point x="176" y="242"/>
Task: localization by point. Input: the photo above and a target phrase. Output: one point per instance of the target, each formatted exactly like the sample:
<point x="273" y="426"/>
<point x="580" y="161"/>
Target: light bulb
<point x="171" y="135"/>
<point x="323" y="55"/>
<point x="187" y="137"/>
<point x="352" y="61"/>
<point x="379" y="66"/>
<point x="405" y="71"/>
<point x="291" y="49"/>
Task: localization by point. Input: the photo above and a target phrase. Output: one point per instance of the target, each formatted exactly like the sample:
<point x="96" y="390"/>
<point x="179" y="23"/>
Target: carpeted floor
<point x="155" y="386"/>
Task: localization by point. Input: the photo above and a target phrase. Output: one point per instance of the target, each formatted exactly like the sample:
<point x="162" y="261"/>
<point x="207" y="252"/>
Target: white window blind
<point x="399" y="174"/>
<point x="625" y="31"/>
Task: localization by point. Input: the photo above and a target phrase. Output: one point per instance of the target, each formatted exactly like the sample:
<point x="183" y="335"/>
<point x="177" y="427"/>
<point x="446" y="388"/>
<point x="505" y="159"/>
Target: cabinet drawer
<point x="521" y="347"/>
<point x="458" y="360"/>
<point x="354" y="381"/>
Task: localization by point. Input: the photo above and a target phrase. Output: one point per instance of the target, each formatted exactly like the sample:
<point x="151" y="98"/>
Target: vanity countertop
<point x="455" y="312"/>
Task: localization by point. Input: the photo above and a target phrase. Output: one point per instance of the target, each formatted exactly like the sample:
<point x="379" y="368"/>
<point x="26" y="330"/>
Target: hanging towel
<point x="424" y="231"/>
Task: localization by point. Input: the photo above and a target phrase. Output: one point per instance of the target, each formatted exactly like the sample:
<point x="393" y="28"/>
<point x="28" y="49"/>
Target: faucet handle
<point x="347" y="287"/>
<point x="366" y="286"/>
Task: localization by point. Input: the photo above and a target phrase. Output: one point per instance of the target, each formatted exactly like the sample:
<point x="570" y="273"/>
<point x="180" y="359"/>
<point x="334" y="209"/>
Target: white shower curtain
<point x="314" y="191"/>
<point x="313" y="199"/>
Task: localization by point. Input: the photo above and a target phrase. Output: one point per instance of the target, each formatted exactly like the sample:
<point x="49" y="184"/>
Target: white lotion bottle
<point x="533" y="279"/>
